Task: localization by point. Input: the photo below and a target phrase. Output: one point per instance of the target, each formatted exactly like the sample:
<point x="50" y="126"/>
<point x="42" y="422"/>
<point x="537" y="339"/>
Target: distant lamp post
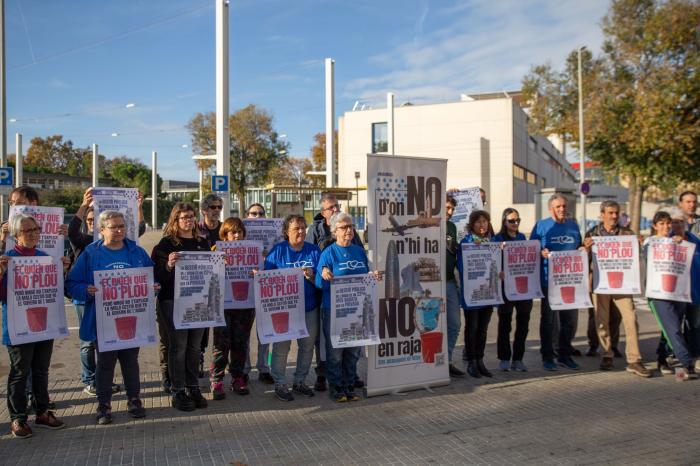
<point x="582" y="168"/>
<point x="357" y="196"/>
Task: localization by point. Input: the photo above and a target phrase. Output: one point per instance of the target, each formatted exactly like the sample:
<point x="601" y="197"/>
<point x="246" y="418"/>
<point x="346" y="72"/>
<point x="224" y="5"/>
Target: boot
<point x="472" y="369"/>
<point x="482" y="368"/>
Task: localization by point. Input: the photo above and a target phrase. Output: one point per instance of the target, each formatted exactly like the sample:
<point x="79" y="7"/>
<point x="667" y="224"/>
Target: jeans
<point x="454" y="319"/>
<point x="230" y="346"/>
<point x="162" y="342"/>
<point x="476" y="325"/>
<point x="522" y="321"/>
<point x="692" y="328"/>
<point x="566" y="332"/>
<point x="87" y="353"/>
<point x="341" y="363"/>
<point x="104" y="375"/>
<point x="261" y="364"/>
<point x="183" y="351"/>
<point x="670" y="315"/>
<point x="305" y="352"/>
<point x="23" y="358"/>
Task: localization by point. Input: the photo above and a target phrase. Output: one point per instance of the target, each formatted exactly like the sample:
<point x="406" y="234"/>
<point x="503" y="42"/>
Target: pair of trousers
<point x="87" y="352"/>
<point x="613" y="329"/>
<point x="183" y="351"/>
<point x="104" y="374"/>
<point x="454" y="317"/>
<point x="522" y="322"/>
<point x="670" y="316"/>
<point x="34" y="357"/>
<point x="341" y="363"/>
<point x="261" y="364"/>
<point x="565" y="335"/>
<point x="692" y="328"/>
<point x="305" y="352"/>
<point x="605" y="325"/>
<point x="162" y="342"/>
<point x="230" y="346"/>
<point x="320" y="350"/>
<point x="476" y="325"/>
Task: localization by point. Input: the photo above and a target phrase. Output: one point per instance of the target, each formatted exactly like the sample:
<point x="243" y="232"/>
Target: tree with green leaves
<point x="318" y="157"/>
<point x="131" y="173"/>
<point x="53" y="154"/>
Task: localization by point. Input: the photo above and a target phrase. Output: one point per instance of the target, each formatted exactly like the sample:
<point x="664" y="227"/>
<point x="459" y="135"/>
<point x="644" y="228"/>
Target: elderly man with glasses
<point x="211" y="206"/>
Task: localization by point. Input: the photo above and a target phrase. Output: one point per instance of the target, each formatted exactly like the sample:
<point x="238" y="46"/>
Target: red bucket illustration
<point x="36" y="319"/>
<point x="615" y="279"/>
<point x="521" y="284"/>
<point x="280" y="322"/>
<point x="126" y="327"/>
<point x="668" y="282"/>
<point x="430" y="345"/>
<point x="568" y="294"/>
<point x="240" y="290"/>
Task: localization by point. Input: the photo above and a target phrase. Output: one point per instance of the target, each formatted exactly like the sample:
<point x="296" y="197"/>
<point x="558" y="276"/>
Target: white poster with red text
<point x="616" y="265"/>
<point x="668" y="269"/>
<point x="124" y="200"/>
<point x="50" y="220"/>
<point x="280" y="305"/>
<point x="568" y="280"/>
<point x="242" y="258"/>
<point x="521" y="270"/>
<point x="266" y="230"/>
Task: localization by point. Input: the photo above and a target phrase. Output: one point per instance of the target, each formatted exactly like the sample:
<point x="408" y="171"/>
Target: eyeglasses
<point x="333" y="207"/>
<point x="187" y="218"/>
<point x="256" y="213"/>
<point x="216" y="207"/>
<point x="297" y="229"/>
<point x="30" y="231"/>
<point x="90" y="219"/>
<point x="116" y="227"/>
<point x="344" y="227"/>
<point x="513" y="220"/>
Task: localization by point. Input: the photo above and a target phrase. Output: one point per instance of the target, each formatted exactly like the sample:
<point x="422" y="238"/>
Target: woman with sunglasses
<point x="181" y="234"/>
<point x="510" y="224"/>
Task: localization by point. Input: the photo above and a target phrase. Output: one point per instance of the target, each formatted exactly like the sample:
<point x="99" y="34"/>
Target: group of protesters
<point x="318" y="250"/>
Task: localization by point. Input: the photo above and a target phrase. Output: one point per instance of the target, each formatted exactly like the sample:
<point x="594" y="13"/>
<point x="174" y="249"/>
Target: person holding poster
<point x="454" y="319"/>
<point x="510" y="231"/>
<point x="298" y="254"/>
<point x="181" y="233"/>
<point x="476" y="319"/>
<point x="114" y="251"/>
<point x="231" y="342"/>
<point x="27" y="359"/>
<point x="604" y="303"/>
<point x="339" y="259"/>
<point x="556" y="233"/>
<point x="688" y="203"/>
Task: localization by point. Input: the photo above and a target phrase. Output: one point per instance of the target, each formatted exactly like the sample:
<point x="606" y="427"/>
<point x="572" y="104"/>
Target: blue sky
<point x="73" y="65"/>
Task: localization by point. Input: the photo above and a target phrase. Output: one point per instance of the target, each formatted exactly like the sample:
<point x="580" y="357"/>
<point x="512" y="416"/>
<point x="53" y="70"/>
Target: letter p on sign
<point x="219" y="183"/>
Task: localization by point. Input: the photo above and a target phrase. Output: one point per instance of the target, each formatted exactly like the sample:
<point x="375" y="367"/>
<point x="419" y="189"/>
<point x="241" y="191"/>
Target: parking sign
<point x="7" y="179"/>
<point x="219" y="183"/>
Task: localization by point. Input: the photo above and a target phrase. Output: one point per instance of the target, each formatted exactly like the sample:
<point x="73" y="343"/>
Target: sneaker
<point x="606" y="364"/>
<point x="664" y="368"/>
<point x="116" y="388"/>
<point x="182" y="402"/>
<point x="90" y="389"/>
<point x="616" y="353"/>
<point x="240" y="386"/>
<point x="320" y="385"/>
<point x="104" y="415"/>
<point x="566" y="361"/>
<point x="592" y="352"/>
<point x="196" y="396"/>
<point x="217" y="391"/>
<point x="455" y="372"/>
<point x="20" y="429"/>
<point x="338" y="395"/>
<point x="49" y="421"/>
<point x="504" y="366"/>
<point x="359" y="383"/>
<point x="135" y="409"/>
<point x="303" y="389"/>
<point x="350" y="395"/>
<point x="638" y="368"/>
<point x="282" y="393"/>
<point x="167" y="387"/>
<point x="518" y="366"/>
<point x="266" y="378"/>
<point x="549" y="365"/>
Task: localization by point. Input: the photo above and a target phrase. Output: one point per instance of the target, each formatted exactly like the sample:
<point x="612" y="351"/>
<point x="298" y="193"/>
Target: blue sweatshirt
<point x="350" y="260"/>
<point x="555" y="237"/>
<point x="282" y="256"/>
<point x="98" y="257"/>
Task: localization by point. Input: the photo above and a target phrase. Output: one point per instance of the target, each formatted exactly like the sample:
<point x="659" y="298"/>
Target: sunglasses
<point x="513" y="220"/>
<point x="215" y="207"/>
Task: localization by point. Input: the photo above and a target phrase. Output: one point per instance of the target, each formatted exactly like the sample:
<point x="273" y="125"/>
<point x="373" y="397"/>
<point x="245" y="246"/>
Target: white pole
<point x="390" y="122"/>
<point x="3" y="106"/>
<point x="201" y="193"/>
<point x="19" y="159"/>
<point x="330" y="124"/>
<point x="223" y="157"/>
<point x="580" y="142"/>
<point x="95" y="166"/>
<point x="154" y="189"/>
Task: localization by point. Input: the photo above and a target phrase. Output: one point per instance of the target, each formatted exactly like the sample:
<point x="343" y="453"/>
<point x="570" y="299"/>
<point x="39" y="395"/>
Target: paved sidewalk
<point x="566" y="417"/>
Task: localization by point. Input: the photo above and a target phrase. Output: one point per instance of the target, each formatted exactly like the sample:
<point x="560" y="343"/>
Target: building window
<point x="380" y="141"/>
<point x="531" y="177"/>
<point x="518" y="172"/>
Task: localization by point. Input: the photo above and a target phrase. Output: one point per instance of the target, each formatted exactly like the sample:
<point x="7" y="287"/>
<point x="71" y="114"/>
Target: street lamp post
<point x="582" y="168"/>
<point x="357" y="196"/>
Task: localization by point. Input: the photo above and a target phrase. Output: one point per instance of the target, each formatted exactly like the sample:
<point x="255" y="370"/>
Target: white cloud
<point x="56" y="83"/>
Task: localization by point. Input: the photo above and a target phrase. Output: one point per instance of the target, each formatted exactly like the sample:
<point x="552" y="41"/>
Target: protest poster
<point x="616" y="265"/>
<point x="354" y="316"/>
<point x="280" y="305"/>
<point x="50" y="220"/>
<point x="668" y="269"/>
<point x="568" y="280"/>
<point x="521" y="270"/>
<point x="125" y="308"/>
<point x="468" y="200"/>
<point x="199" y="290"/>
<point x="124" y="200"/>
<point x="35" y="308"/>
<point x="407" y="230"/>
<point x="241" y="257"/>
<point x="482" y="270"/>
<point x="266" y="230"/>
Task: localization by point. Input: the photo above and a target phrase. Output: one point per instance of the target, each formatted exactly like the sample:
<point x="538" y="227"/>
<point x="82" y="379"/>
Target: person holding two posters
<point x="604" y="303"/>
<point x="114" y="251"/>
<point x="34" y="357"/>
<point x="296" y="253"/>
<point x="181" y="233"/>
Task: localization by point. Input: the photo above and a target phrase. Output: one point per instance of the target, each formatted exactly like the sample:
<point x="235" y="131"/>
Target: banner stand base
<point x="402" y="390"/>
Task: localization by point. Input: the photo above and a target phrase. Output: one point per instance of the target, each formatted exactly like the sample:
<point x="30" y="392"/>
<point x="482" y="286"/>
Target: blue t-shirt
<point x="555" y="236"/>
<point x="350" y="260"/>
<point x="282" y="256"/>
